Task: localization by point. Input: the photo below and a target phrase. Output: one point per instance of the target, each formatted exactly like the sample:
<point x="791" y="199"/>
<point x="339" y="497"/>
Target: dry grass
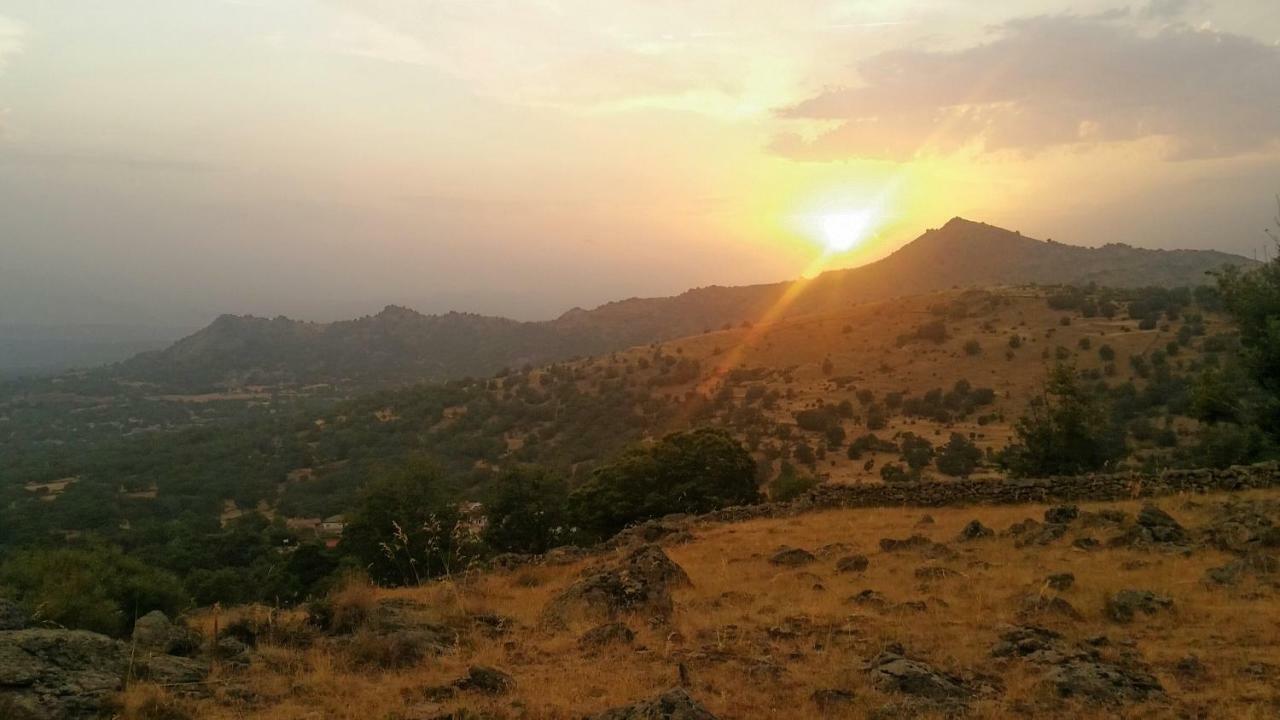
<point x="757" y="639"/>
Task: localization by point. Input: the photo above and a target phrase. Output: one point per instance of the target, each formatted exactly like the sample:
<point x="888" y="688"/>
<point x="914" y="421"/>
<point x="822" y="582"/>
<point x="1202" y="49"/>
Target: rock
<point x="1032" y="643"/>
<point x="1043" y="605"/>
<point x="63" y="674"/>
<point x="1124" y="605"/>
<point x="1022" y="527"/>
<point x="891" y="672"/>
<point x="1061" y="514"/>
<point x="1189" y="667"/>
<point x="1061" y="581"/>
<point x="639" y="583"/>
<point x="829" y="700"/>
<point x="852" y="563"/>
<point x="484" y="679"/>
<point x="869" y="598"/>
<point x="493" y="625"/>
<point x="791" y="557"/>
<point x="674" y="704"/>
<point x="1086" y="543"/>
<point x="1041" y="534"/>
<point x="614" y="633"/>
<point x="975" y="531"/>
<point x="1228" y="574"/>
<point x="155" y="632"/>
<point x="232" y="651"/>
<point x="12" y="616"/>
<point x="935" y="572"/>
<point x="1102" y="682"/>
<point x="924" y="521"/>
<point x="1160" y="526"/>
<point x="509" y="561"/>
<point x="173" y="670"/>
<point x="912" y="543"/>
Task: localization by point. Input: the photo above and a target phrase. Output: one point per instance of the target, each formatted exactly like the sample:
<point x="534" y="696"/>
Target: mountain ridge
<point x="399" y="345"/>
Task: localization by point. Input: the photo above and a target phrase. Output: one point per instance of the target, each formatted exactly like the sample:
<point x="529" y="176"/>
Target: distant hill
<point x="399" y="345"/>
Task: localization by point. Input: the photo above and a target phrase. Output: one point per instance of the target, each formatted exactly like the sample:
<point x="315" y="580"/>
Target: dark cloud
<point x="1052" y="81"/>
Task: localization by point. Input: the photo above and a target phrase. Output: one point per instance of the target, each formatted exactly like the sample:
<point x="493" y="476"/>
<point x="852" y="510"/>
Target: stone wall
<point x="1077" y="488"/>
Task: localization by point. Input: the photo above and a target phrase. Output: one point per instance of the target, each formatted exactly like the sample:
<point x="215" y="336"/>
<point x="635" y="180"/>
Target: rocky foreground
<point x="1166" y="608"/>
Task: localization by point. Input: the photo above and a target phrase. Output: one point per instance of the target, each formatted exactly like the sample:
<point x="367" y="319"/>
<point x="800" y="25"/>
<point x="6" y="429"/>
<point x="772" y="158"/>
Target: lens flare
<point x="847" y="229"/>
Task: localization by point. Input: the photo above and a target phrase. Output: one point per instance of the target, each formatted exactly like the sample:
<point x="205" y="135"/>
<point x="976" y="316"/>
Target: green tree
<point x="959" y="457"/>
<point x="403" y="530"/>
<point x="1065" y="431"/>
<point x="527" y="511"/>
<point x="685" y="472"/>
<point x="99" y="589"/>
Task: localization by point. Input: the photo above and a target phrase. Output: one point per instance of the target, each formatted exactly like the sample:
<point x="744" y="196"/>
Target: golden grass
<point x="756" y="640"/>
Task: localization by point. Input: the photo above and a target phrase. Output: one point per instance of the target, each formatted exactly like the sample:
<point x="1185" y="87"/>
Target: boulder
<point x="60" y="674"/>
<point x="975" y="530"/>
<point x="891" y="672"/>
<point x="487" y="680"/>
<point x="1102" y="682"/>
<point x="1032" y="643"/>
<point x="614" y="633"/>
<point x="155" y="632"/>
<point x="674" y="704"/>
<point x="1061" y="581"/>
<point x="791" y="557"/>
<point x="172" y="670"/>
<point x="831" y="700"/>
<point x="1123" y="606"/>
<point x="852" y="563"/>
<point x="640" y="583"/>
<point x="1159" y="526"/>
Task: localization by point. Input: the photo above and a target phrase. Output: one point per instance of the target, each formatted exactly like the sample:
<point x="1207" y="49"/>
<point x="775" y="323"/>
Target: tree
<point x="1066" y="431"/>
<point x="527" y="511"/>
<point x="685" y="472"/>
<point x="402" y="529"/>
<point x="958" y="457"/>
<point x="917" y="451"/>
<point x="99" y="589"/>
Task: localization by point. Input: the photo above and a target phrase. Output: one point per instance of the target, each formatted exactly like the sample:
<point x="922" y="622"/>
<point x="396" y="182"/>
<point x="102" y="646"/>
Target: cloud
<point x="1050" y="81"/>
<point x="1169" y="9"/>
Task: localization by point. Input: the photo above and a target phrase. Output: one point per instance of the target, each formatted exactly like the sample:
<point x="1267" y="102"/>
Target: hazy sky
<point x="168" y="160"/>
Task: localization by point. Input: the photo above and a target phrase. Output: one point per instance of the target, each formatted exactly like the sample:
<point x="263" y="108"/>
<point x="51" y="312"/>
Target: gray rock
<point x="614" y="633"/>
<point x="1123" y="606"/>
<point x="891" y="672"/>
<point x="487" y="680"/>
<point x="674" y="704"/>
<point x="1032" y="643"/>
<point x="640" y="583"/>
<point x="1102" y="682"/>
<point x="62" y="674"/>
<point x="852" y="563"/>
<point x="791" y="557"/>
<point x="975" y="531"/>
<point x="1061" y="581"/>
<point x="172" y="670"/>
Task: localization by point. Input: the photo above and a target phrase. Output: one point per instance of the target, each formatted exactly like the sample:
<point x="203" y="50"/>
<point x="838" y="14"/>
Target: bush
<point x="99" y="589"/>
<point x="959" y="457"/>
<point x="1067" y="432"/>
<point x="893" y="472"/>
<point x="527" y="512"/>
<point x="972" y="347"/>
<point x="687" y="472"/>
<point x="790" y="483"/>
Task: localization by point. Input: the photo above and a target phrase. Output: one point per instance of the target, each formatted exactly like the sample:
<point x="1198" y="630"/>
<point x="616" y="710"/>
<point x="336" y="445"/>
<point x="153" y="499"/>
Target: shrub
<point x="687" y="472"/>
<point x="790" y="483"/>
<point x="526" y="511"/>
<point x="893" y="472"/>
<point x="99" y="589"/>
<point x="959" y="457"/>
<point x="1065" y="432"/>
<point x="972" y="347"/>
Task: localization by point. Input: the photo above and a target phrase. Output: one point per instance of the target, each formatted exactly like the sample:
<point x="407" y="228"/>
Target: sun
<point x="844" y="230"/>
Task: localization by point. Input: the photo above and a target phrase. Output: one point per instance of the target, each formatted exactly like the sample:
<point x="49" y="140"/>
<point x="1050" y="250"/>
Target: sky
<point x="165" y="161"/>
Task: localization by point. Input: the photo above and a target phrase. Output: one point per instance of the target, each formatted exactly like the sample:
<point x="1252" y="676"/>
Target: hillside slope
<point x="400" y="346"/>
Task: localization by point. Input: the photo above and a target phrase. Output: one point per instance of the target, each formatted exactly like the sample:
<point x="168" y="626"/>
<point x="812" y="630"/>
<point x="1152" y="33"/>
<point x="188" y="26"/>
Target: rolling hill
<point x="399" y="346"/>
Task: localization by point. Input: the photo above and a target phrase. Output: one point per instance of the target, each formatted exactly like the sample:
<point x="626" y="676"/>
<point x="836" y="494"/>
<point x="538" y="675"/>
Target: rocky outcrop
<point x="60" y="674"/>
<point x="674" y="704"/>
<point x="791" y="557"/>
<point x="12" y="616"/>
<point x="640" y="583"/>
<point x="1123" y="606"/>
